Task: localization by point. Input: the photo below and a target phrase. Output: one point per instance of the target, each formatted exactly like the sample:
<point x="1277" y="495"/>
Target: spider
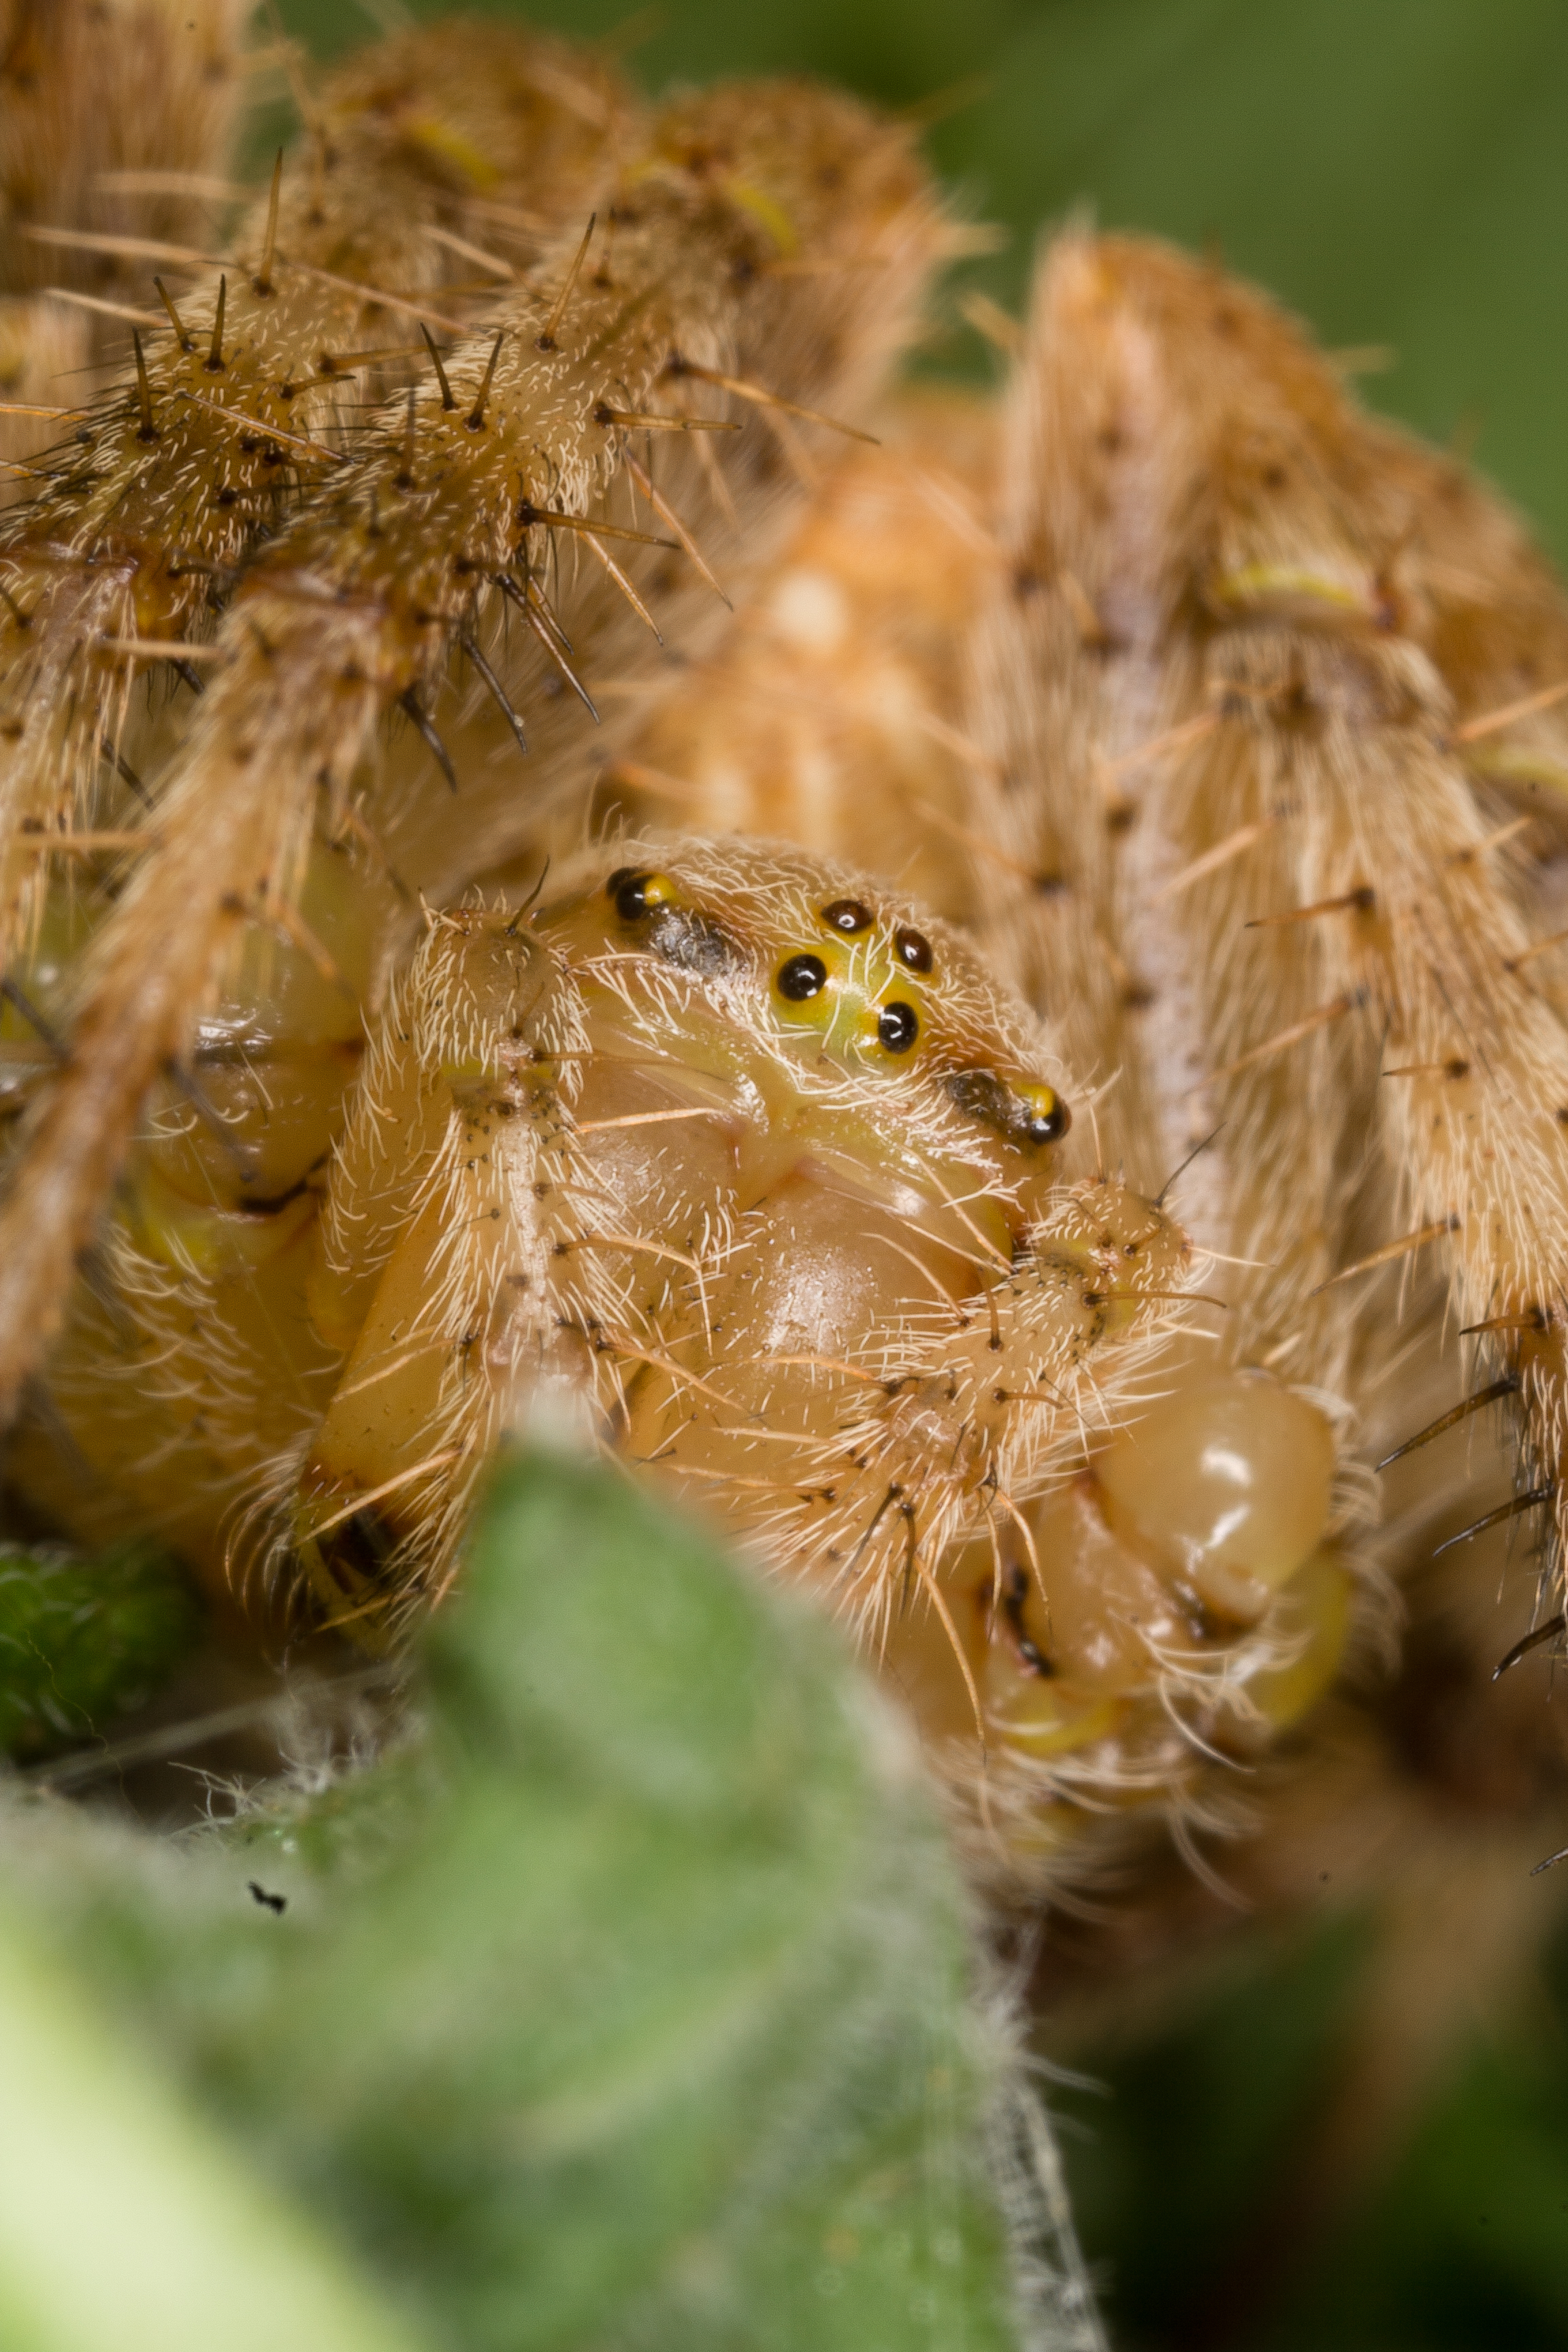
<point x="490" y="684"/>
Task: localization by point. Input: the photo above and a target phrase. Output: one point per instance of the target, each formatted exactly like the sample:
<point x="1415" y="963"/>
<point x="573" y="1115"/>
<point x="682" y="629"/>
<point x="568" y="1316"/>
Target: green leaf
<point x="84" y="1638"/>
<point x="126" y="2222"/>
<point x="629" y="2002"/>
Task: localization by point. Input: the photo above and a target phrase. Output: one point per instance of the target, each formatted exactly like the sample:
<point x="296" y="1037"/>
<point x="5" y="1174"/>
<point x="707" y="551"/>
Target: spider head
<point x="831" y="976"/>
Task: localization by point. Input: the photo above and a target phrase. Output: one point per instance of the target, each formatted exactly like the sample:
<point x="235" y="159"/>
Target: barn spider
<point x="372" y="1082"/>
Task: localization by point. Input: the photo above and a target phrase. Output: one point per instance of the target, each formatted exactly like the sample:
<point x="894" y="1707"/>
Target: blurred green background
<point x="1395" y="171"/>
<point x="1182" y="2158"/>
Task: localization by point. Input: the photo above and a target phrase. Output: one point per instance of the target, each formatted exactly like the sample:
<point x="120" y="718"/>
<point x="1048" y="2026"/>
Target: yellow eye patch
<point x="852" y="989"/>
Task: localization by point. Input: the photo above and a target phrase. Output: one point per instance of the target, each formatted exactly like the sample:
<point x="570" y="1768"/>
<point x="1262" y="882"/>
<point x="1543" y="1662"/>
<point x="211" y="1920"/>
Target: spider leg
<point x="361" y="600"/>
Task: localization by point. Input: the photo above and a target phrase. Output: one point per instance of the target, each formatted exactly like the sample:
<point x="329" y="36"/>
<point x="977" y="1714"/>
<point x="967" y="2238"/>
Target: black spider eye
<point x="802" y="977"/>
<point x="635" y="894"/>
<point x="1049" y="1125"/>
<point x="847" y="915"/>
<point x="913" y="949"/>
<point x="897" y="1026"/>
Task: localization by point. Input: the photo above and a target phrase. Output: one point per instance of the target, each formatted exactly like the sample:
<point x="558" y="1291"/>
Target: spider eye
<point x="848" y="916"/>
<point x="1048" y="1116"/>
<point x="802" y="977"/>
<point x="897" y="1026"/>
<point x="913" y="950"/>
<point x="638" y="895"/>
<point x="1027" y="1114"/>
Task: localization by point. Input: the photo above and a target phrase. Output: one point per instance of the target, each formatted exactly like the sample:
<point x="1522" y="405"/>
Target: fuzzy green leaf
<point x="84" y="1638"/>
<point x="625" y="2003"/>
